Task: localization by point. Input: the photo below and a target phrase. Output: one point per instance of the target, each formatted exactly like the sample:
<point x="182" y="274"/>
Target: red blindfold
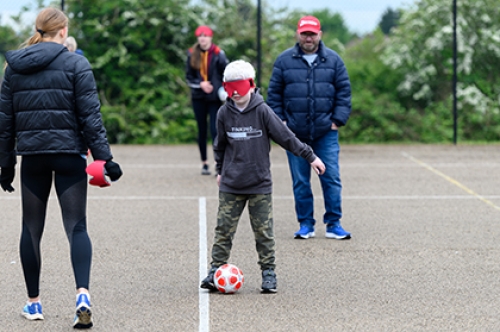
<point x="241" y="86"/>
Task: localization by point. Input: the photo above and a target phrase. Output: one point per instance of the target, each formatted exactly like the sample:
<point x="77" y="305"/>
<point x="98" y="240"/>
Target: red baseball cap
<point x="203" y="30"/>
<point x="308" y="24"/>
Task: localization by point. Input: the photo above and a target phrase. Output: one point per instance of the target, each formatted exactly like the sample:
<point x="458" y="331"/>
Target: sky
<point x="361" y="16"/>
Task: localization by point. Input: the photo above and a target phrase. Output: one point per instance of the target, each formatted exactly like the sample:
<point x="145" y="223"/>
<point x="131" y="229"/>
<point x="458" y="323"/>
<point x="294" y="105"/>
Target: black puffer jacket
<point x="49" y="104"/>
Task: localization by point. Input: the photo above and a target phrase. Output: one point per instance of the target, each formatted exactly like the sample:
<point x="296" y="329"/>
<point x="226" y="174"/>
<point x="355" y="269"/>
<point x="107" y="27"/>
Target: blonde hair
<point x="71" y="44"/>
<point x="48" y="22"/>
<point x="238" y="70"/>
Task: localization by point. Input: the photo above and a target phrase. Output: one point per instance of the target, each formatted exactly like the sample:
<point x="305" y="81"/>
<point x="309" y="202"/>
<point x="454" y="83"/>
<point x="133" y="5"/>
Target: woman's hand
<point x="207" y="87"/>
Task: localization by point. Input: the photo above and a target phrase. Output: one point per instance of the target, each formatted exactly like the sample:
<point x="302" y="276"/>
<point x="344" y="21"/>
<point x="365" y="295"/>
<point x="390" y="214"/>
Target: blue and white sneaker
<point x="335" y="231"/>
<point x="83" y="317"/>
<point x="33" y="311"/>
<point x="305" y="232"/>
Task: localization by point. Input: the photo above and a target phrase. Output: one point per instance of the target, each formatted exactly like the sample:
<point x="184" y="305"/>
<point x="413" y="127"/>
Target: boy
<point x="245" y="126"/>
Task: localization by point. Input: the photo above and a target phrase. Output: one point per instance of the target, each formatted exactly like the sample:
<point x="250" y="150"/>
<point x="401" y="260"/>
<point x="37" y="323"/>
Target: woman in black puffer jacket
<point x="50" y="115"/>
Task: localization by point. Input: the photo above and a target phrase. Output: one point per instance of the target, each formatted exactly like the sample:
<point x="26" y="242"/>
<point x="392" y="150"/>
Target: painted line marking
<point x="352" y="197"/>
<point x="342" y="165"/>
<point x="451" y="180"/>
<point x="203" y="294"/>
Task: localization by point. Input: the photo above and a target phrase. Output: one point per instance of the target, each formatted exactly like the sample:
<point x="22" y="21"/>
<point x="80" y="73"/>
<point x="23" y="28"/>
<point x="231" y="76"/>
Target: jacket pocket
<point x="242" y="175"/>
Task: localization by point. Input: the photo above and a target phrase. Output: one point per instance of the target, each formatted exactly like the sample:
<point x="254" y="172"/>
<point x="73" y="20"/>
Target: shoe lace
<point x="268" y="276"/>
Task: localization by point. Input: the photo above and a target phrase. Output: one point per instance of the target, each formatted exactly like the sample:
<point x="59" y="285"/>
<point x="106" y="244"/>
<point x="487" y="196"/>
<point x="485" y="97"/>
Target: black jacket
<point x="49" y="104"/>
<point x="215" y="72"/>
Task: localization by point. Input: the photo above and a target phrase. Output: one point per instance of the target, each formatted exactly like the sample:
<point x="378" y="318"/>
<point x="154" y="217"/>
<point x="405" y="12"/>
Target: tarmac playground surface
<point x="424" y="253"/>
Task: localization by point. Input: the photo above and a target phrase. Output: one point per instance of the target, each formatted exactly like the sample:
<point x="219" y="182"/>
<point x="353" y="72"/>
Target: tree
<point x="137" y="48"/>
<point x="333" y="27"/>
<point x="138" y="51"/>
<point x="389" y="20"/>
<point x="9" y="39"/>
<point x="421" y="48"/>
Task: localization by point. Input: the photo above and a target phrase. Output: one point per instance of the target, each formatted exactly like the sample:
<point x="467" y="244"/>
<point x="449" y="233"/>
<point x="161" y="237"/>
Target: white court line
<point x="353" y="197"/>
<point x="342" y="165"/>
<point x="451" y="180"/>
<point x="347" y="197"/>
<point x="203" y="294"/>
<point x="280" y="166"/>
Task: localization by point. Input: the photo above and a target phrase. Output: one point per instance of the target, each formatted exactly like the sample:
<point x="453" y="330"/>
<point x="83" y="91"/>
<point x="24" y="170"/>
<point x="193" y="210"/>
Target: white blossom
<point x="421" y="48"/>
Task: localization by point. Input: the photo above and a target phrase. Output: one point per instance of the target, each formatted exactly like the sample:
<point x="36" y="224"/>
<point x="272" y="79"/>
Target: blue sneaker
<point x="33" y="311"/>
<point x="336" y="231"/>
<point x="83" y="317"/>
<point x="305" y="232"/>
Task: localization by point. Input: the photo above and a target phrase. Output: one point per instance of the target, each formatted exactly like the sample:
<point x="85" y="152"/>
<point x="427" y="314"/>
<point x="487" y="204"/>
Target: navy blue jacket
<point x="310" y="98"/>
<point x="49" y="104"/>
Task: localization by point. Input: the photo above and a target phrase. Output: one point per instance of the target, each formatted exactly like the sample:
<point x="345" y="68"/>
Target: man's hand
<point x="334" y="126"/>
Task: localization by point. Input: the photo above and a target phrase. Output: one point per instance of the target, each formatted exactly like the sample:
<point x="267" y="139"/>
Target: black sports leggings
<point x="70" y="179"/>
<point x="202" y="109"/>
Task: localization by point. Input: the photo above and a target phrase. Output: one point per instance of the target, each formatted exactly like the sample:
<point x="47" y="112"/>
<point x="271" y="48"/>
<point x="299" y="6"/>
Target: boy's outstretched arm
<point x="318" y="166"/>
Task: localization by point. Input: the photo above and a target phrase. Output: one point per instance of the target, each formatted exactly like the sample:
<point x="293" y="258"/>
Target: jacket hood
<point x="34" y="58"/>
<point x="255" y="100"/>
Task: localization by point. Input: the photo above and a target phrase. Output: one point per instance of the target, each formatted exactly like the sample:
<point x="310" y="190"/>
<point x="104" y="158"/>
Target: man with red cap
<point x="311" y="92"/>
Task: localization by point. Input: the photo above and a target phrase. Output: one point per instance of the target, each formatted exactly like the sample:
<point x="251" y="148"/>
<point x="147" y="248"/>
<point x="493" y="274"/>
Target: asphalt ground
<point x="424" y="255"/>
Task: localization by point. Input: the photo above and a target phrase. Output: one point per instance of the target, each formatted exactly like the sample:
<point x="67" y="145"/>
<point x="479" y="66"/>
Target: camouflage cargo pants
<point x="260" y="210"/>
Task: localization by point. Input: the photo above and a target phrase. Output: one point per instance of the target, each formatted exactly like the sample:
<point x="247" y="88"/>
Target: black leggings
<point x="70" y="179"/>
<point x="202" y="109"/>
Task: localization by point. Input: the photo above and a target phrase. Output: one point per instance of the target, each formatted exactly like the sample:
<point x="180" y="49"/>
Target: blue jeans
<point x="327" y="149"/>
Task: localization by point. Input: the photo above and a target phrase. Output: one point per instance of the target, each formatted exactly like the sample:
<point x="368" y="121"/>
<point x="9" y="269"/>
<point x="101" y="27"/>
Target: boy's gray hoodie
<point x="243" y="144"/>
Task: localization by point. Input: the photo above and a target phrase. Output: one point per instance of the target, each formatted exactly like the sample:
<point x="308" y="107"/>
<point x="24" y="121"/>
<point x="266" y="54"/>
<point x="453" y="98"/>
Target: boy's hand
<point x="318" y="166"/>
<point x="218" y="180"/>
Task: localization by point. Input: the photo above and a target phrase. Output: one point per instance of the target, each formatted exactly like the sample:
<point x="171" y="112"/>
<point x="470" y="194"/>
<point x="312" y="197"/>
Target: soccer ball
<point x="228" y="279"/>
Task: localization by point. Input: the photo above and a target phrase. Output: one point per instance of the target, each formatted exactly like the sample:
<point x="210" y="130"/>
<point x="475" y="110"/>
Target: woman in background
<point x="205" y="65"/>
<point x="72" y="45"/>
